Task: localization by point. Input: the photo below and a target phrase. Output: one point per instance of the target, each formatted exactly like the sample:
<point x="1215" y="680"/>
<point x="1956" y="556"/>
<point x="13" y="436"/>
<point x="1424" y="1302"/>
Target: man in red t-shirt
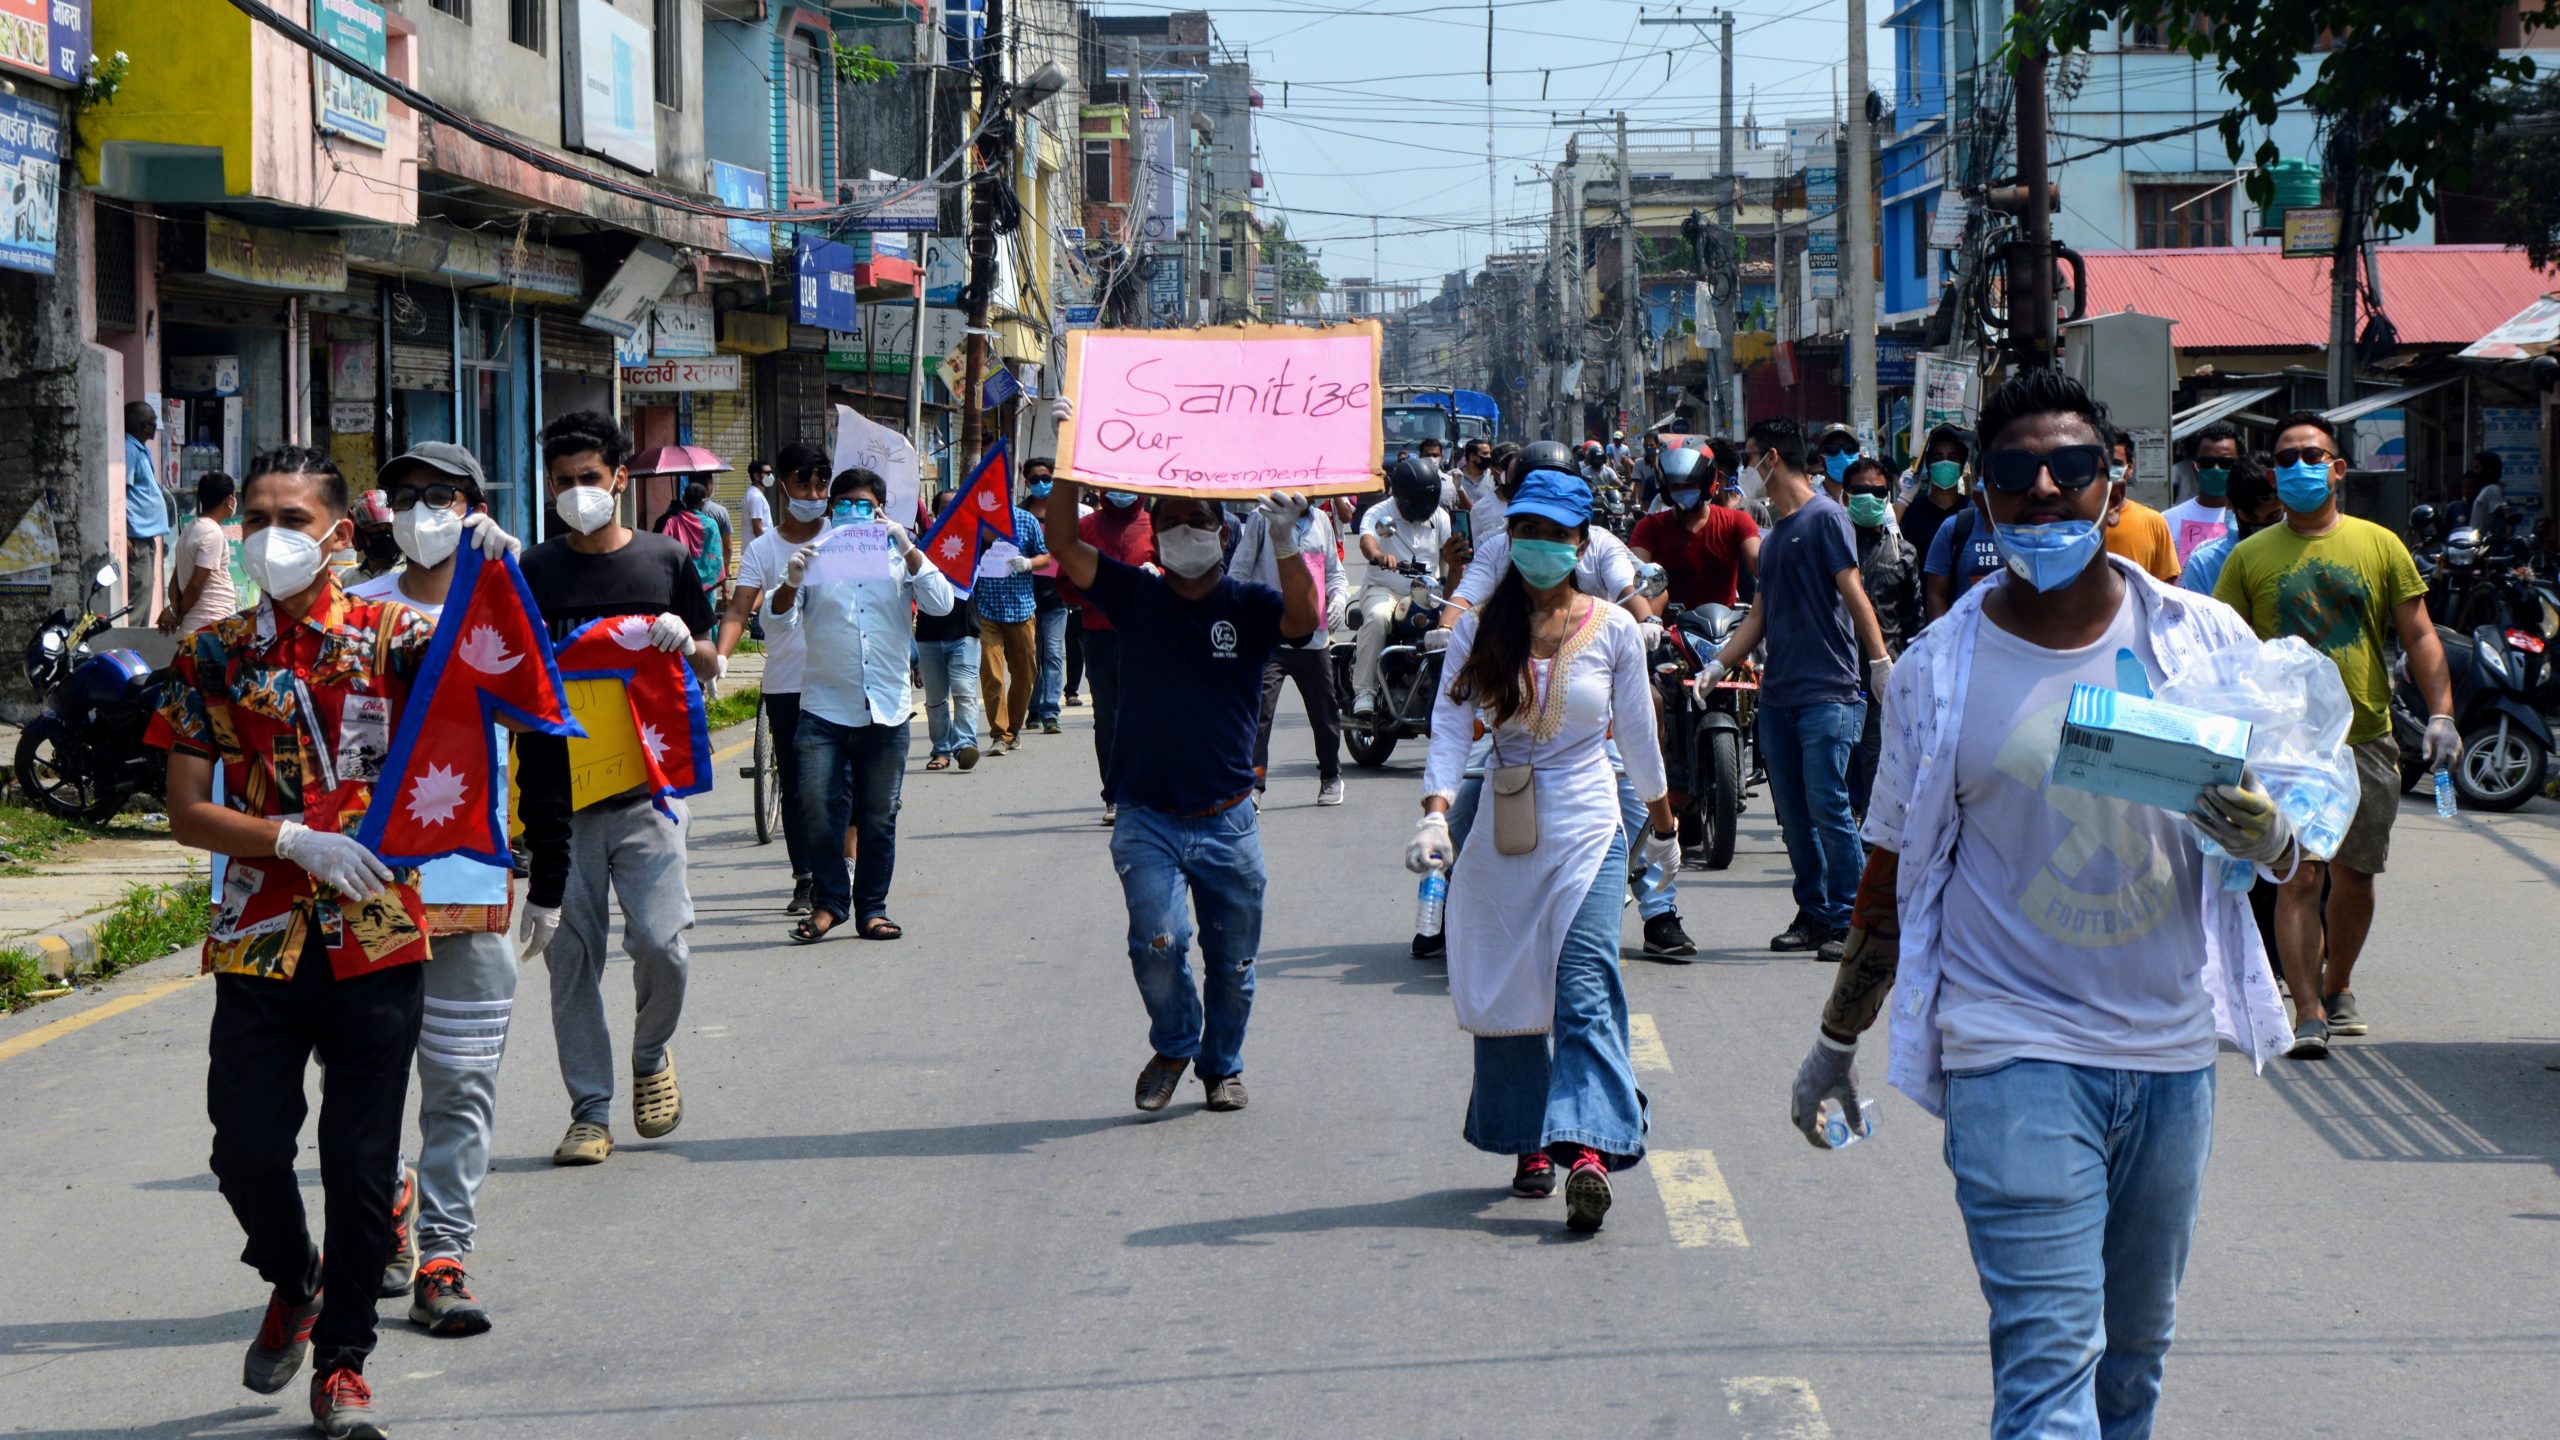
<point x="1121" y="530"/>
<point x="1702" y="548"/>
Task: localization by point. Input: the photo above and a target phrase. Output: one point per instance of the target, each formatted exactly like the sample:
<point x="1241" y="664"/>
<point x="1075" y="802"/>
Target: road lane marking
<point x="1644" y="1045"/>
<point x="17" y="1045"/>
<point x="1696" y="1199"/>
<point x="734" y="751"/>
<point x="1776" y="1407"/>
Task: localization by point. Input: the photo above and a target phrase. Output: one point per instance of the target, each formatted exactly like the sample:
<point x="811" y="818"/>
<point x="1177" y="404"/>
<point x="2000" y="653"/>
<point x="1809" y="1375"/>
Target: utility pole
<point x="1725" y="271"/>
<point x="1630" y="294"/>
<point x="2033" y="334"/>
<point x="1858" y="245"/>
<point x="2346" y="182"/>
<point x="915" y="355"/>
<point x="1567" y="249"/>
<point x="996" y="154"/>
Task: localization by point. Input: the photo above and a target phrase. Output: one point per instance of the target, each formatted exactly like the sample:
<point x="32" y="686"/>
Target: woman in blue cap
<point x="1549" y="673"/>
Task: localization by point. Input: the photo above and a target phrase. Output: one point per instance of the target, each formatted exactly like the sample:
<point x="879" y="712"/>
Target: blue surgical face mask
<point x="1120" y="499"/>
<point x="805" y="511"/>
<point x="2303" y="488"/>
<point x="1837" y="465"/>
<point x="2051" y="555"/>
<point x="1544" y="563"/>
<point x="1683" y="499"/>
<point x="1038" y="490"/>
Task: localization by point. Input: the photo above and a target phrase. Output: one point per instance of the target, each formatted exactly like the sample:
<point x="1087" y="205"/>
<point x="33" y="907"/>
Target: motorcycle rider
<point x="1411" y="529"/>
<point x="1703" y="549"/>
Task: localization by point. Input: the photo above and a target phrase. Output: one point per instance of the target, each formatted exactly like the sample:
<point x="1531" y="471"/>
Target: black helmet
<point x="1541" y="455"/>
<point x="1679" y="463"/>
<point x="1415" y="486"/>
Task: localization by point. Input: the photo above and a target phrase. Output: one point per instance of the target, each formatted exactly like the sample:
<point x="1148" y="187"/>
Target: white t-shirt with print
<point x="2192" y="524"/>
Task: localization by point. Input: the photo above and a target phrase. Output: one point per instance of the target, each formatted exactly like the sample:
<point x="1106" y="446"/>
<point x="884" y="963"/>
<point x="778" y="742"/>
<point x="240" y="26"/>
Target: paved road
<point x="910" y="1197"/>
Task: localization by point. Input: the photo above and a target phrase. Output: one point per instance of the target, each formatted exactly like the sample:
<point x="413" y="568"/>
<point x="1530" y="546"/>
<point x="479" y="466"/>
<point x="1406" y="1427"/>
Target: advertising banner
<point x="895" y="204"/>
<point x="30" y="183"/>
<point x="1232" y="411"/>
<point x="719" y="372"/>
<point x="608" y="93"/>
<point x="740" y="188"/>
<point x="824" y="285"/>
<point x="48" y="39"/>
<point x="348" y="107"/>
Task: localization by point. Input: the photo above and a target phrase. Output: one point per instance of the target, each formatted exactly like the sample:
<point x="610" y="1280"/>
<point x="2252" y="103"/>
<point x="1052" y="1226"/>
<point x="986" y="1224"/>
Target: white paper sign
<point x="862" y="444"/>
<point x="850" y="554"/>
<point x="992" y="560"/>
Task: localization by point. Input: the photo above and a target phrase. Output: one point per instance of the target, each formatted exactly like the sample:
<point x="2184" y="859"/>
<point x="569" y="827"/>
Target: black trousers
<point x="1312" y="668"/>
<point x="1075" y="651"/>
<point x="1102" y="672"/>
<point x="265" y="1033"/>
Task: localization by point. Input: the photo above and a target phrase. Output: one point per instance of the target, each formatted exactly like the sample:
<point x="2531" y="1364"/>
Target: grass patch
<point x="151" y="921"/>
<point x="734" y="707"/>
<point x="29" y="836"/>
<point x="750" y="645"/>
<point x="21" y="976"/>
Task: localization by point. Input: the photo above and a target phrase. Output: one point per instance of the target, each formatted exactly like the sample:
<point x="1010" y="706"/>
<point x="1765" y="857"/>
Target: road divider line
<point x="1698" y="1202"/>
<point x="733" y="752"/>
<point x="17" y="1045"/>
<point x="1776" y="1407"/>
<point x="1644" y="1045"/>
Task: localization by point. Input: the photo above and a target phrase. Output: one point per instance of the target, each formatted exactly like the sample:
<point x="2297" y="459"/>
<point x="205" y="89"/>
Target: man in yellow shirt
<point x="2335" y="581"/>
<point x="2135" y="530"/>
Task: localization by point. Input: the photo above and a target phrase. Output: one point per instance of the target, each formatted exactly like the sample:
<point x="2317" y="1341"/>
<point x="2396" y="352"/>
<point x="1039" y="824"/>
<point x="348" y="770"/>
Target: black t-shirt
<point x="1190" y="686"/>
<point x="960" y="624"/>
<point x="1921" y="519"/>
<point x="649" y="576"/>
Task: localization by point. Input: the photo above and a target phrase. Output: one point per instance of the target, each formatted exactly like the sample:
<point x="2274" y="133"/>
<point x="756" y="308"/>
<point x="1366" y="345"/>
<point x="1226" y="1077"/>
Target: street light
<point x="1029" y="95"/>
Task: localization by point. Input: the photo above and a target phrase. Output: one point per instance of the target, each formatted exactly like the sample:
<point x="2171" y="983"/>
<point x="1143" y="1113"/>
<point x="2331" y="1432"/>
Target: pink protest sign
<point x="1236" y="410"/>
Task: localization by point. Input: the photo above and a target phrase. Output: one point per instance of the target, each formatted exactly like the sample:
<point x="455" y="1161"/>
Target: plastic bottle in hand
<point x="1835" y="1123"/>
<point x="1433" y="906"/>
<point x="2444" y="794"/>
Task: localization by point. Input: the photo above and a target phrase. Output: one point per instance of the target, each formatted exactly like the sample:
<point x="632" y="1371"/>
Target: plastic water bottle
<point x="2444" y="794"/>
<point x="1835" y="1123"/>
<point x="1433" y="905"/>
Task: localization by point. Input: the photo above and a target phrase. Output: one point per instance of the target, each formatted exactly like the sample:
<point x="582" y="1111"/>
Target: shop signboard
<point x="824" y="286"/>
<point x="740" y="188"/>
<point x="622" y="307"/>
<point x="946" y="269"/>
<point x="2513" y="433"/>
<point x="683" y="325"/>
<point x="1944" y="389"/>
<point x="608" y="88"/>
<point x="1894" y="362"/>
<point x="1164" y="286"/>
<point x="1079" y="317"/>
<point x="202" y="375"/>
<point x="2311" y="232"/>
<point x="717" y="372"/>
<point x="30" y="182"/>
<point x="886" y="342"/>
<point x="348" y="107"/>
<point x="48" y="39"/>
<point x="895" y="204"/>
<point x="275" y="259"/>
<point x="539" y="272"/>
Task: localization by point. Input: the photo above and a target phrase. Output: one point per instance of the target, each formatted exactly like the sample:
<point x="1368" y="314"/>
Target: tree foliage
<point x="1299" y="273"/>
<point x="2518" y="167"/>
<point x="2423" y="74"/>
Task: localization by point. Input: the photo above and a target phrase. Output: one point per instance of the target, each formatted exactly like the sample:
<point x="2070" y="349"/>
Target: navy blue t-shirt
<point x="1190" y="686"/>
<point x="1981" y="553"/>
<point x="1813" y="657"/>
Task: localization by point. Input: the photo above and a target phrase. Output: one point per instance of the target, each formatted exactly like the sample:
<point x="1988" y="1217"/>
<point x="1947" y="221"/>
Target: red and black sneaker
<point x="283" y="1343"/>
<point x="1536" y="1176"/>
<point x="342" y="1407"/>
<point x="402" y="1270"/>
<point x="1586" y="1192"/>
<point x="444" y="1303"/>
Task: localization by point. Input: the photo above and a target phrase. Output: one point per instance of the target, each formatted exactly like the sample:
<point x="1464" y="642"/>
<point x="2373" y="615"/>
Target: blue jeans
<point x="1219" y="857"/>
<point x="950" y="670"/>
<point x="1805" y="749"/>
<point x="782" y="719"/>
<point x="1051" y="692"/>
<point x="2079" y="1190"/>
<point x="851" y="775"/>
<point x="1527" y="1100"/>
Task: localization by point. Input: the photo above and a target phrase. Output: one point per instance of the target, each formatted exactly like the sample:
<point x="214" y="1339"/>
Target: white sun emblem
<point x="633" y="633"/>
<point x="435" y="795"/>
<point x="951" y="547"/>
<point x="986" y="500"/>
<point x="653" y="742"/>
<point x="485" y="650"/>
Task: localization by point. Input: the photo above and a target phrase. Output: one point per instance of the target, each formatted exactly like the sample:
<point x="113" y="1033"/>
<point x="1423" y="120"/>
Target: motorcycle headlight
<point x="2494" y="659"/>
<point x="50" y="642"/>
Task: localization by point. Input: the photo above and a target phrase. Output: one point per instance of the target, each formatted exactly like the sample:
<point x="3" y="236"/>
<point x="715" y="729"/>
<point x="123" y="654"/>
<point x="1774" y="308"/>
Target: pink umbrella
<point x="678" y="460"/>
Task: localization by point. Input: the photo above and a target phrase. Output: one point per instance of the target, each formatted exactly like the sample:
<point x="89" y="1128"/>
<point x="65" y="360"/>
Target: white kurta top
<point x="1508" y="914"/>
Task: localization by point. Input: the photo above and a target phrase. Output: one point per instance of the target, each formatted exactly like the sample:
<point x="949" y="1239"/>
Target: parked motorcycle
<point x="83" y="756"/>
<point x="1706" y="738"/>
<point x="1408" y="674"/>
<point x="2502" y="687"/>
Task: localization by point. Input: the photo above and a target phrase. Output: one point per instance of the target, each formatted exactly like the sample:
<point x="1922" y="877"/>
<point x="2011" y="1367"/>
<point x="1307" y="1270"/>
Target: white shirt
<point x="1403" y="541"/>
<point x="1607" y="568"/>
<point x="2071" y="918"/>
<point x="860" y="637"/>
<point x="2484" y="504"/>
<point x="759" y="510"/>
<point x="2192" y="523"/>
<point x="760" y="568"/>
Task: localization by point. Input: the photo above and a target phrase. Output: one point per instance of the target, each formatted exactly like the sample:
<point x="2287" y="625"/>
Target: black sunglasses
<point x="2302" y="455"/>
<point x="439" y="495"/>
<point x="1863" y="488"/>
<point x="2014" y="472"/>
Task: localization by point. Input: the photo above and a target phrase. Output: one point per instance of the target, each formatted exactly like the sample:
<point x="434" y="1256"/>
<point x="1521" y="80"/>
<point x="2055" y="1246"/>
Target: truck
<point x="1413" y="414"/>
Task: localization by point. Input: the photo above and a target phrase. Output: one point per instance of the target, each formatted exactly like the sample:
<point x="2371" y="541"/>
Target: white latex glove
<point x="1281" y="513"/>
<point x="1431" y="849"/>
<point x="797" y="567"/>
<point x="1662" y="850"/>
<point x="668" y="633"/>
<point x="1652" y="628"/>
<point x="1062" y="410"/>
<point x="1829" y="1072"/>
<point x="1152" y="568"/>
<point x="336" y="861"/>
<point x="2244" y="821"/>
<point x="483" y="532"/>
<point x="898" y="540"/>
<point x="2443" y="742"/>
<point x="1333" y="615"/>
<point x="1020" y="564"/>
<point x="533" y="936"/>
<point x="1704" y="685"/>
<point x="1879" y="670"/>
<point x="719" y="668"/>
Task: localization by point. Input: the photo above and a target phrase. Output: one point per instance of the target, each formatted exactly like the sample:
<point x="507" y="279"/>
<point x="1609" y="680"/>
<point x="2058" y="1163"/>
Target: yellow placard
<point x="607" y="760"/>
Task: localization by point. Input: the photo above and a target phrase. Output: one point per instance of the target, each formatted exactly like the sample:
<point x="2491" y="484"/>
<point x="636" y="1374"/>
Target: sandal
<point x="881" y="927"/>
<point x="938" y="762"/>
<point x="810" y="932"/>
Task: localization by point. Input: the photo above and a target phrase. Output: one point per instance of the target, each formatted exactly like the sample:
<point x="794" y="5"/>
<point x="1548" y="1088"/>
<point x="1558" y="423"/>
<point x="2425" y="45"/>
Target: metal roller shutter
<point x="421" y="335"/>
<point x="797" y="390"/>
<point x="724" y="423"/>
<point x="573" y="348"/>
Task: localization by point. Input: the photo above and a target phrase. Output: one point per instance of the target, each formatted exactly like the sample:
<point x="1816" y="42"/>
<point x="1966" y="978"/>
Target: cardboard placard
<point x="1225" y="413"/>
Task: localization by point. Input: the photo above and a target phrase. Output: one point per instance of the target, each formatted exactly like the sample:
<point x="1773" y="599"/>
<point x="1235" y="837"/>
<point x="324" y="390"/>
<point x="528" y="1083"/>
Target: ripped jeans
<point x="1219" y="858"/>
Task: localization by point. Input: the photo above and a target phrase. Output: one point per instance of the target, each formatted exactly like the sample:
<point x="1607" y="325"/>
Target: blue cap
<point x="1551" y="495"/>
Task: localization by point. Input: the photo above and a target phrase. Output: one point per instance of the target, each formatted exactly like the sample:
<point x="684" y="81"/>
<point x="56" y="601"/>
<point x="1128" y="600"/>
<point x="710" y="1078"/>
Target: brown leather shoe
<point x="1156" y="1083"/>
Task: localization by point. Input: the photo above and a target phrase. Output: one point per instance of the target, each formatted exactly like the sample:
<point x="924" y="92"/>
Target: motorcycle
<point x="1408" y="674"/>
<point x="1706" y="738"/>
<point x="83" y="756"/>
<point x="2502" y="685"/>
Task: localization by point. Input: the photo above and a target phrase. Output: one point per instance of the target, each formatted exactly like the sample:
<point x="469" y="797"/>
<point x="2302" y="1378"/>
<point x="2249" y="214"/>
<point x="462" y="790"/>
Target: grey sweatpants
<point x="627" y="844"/>
<point x="471" y="994"/>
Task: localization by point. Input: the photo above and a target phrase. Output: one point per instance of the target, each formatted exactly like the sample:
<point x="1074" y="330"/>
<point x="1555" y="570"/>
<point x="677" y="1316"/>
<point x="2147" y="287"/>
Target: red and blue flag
<point x="958" y="536"/>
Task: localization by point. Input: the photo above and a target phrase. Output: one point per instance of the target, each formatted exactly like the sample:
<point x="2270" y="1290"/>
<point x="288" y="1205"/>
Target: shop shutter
<point x="570" y="347"/>
<point x="421" y="334"/>
<point x="724" y="423"/>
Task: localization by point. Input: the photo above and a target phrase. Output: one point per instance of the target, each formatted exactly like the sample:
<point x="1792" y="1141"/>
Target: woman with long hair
<point x="1549" y="674"/>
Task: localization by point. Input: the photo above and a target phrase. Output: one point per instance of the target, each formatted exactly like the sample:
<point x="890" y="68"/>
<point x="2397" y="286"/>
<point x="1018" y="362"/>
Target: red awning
<point x="2255" y="299"/>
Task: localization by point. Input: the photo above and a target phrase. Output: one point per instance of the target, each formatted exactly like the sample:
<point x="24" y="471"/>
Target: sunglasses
<point x="439" y="495"/>
<point x="2302" y="455"/>
<point x="1864" y="489"/>
<point x="2014" y="472"/>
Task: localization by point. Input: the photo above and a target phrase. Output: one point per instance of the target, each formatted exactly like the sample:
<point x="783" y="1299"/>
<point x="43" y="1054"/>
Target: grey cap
<point x="442" y="456"/>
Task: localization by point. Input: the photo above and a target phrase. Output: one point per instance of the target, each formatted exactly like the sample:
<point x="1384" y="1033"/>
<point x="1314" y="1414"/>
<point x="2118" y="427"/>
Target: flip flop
<point x="807" y="931"/>
<point x="938" y="762"/>
<point x="881" y="927"/>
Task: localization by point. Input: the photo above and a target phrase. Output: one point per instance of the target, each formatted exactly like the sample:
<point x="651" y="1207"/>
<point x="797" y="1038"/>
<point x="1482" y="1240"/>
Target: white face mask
<point x="428" y="534"/>
<point x="283" y="562"/>
<point x="808" y="511"/>
<point x="1188" y="552"/>
<point x="585" y="508"/>
<point x="1755" y="485"/>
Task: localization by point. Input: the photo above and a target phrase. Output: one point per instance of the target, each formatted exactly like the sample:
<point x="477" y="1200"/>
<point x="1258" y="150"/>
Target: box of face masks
<point x="2139" y="749"/>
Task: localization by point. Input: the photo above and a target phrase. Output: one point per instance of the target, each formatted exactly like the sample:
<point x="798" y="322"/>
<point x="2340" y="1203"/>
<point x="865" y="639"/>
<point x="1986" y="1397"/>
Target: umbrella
<point x="678" y="460"/>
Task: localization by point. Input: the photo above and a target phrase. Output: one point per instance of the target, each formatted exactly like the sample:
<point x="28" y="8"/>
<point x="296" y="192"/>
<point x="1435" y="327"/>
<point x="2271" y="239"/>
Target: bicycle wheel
<point x="768" y="783"/>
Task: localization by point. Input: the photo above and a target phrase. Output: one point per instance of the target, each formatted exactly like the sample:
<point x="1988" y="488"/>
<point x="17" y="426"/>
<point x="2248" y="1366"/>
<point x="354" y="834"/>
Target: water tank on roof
<point x="2297" y="185"/>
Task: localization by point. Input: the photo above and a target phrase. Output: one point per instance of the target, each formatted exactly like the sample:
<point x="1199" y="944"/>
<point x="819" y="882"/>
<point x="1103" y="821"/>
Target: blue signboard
<point x="1164" y="286"/>
<point x="824" y="272"/>
<point x="740" y="188"/>
<point x="30" y="183"/>
<point x="48" y="39"/>
<point x="1893" y="362"/>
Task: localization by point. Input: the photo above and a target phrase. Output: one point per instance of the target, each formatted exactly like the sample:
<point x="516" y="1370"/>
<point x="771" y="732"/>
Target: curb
<point x="70" y="950"/>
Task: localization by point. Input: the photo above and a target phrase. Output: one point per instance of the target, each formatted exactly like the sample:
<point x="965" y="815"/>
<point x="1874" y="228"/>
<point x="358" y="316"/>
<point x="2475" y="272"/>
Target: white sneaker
<point x="1366" y="705"/>
<point x="1110" y="814"/>
<point x="1331" y="792"/>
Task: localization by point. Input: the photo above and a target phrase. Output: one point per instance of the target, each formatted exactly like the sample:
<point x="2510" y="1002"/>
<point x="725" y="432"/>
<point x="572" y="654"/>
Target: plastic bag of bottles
<point x="2298" y="713"/>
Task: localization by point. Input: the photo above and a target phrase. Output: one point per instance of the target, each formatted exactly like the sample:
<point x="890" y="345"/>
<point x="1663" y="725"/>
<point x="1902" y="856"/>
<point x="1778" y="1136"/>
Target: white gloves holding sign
<point x="1019" y="564"/>
<point x="795" y="569"/>
<point x="1281" y="513"/>
<point x="1061" y="410"/>
<point x="336" y="861"/>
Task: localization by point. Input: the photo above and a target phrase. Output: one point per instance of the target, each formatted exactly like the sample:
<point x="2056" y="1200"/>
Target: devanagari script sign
<point x="1236" y="410"/>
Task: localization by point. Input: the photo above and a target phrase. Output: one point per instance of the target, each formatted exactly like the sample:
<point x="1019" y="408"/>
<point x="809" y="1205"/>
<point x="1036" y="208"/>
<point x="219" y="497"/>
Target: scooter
<point x="83" y="756"/>
<point x="2500" y="679"/>
<point x="1706" y="735"/>
<point x="1408" y="674"/>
